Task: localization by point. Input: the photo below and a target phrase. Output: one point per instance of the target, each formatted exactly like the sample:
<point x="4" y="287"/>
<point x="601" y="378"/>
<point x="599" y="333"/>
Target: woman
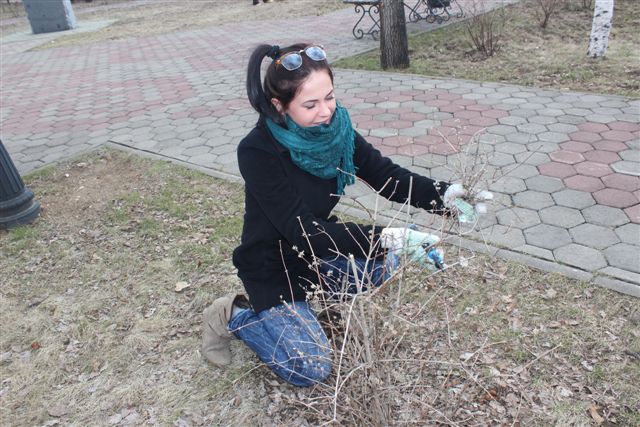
<point x="296" y="163"/>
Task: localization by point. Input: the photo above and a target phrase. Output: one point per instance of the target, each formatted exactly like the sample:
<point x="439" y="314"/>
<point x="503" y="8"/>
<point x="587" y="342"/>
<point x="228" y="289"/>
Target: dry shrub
<point x="381" y="367"/>
<point x="485" y="27"/>
<point x="546" y="8"/>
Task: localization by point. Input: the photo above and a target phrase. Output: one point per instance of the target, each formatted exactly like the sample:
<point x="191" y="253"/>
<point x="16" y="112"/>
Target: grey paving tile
<point x="532" y="158"/>
<point x="518" y="217"/>
<point x="573" y="199"/>
<point x="556" y="137"/>
<point x="543" y="120"/>
<point x="561" y="216"/>
<point x="629" y="233"/>
<point x="626" y="167"/>
<point x="547" y="236"/>
<point x="510" y="148"/>
<point x="631" y="156"/>
<point x="538" y="252"/>
<point x="625" y="275"/>
<point x="594" y="236"/>
<point x="605" y="215"/>
<point x="533" y="200"/>
<point x="502" y="130"/>
<point x="522" y="171"/>
<point x="544" y="184"/>
<point x="508" y="185"/>
<point x="562" y="128"/>
<point x="501" y="159"/>
<point x="580" y="256"/>
<point x="512" y="120"/>
<point x="600" y="118"/>
<point x="501" y="235"/>
<point x="532" y="128"/>
<point x="624" y="256"/>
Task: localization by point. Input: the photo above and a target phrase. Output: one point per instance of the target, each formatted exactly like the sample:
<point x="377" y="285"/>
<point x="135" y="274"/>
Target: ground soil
<point x="94" y="331"/>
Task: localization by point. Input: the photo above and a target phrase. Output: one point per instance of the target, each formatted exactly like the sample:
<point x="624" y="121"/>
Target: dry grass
<point x="554" y="57"/>
<point x="95" y="334"/>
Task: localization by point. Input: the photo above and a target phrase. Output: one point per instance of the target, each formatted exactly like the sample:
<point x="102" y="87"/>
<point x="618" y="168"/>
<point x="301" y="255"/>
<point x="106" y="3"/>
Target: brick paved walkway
<point x="566" y="164"/>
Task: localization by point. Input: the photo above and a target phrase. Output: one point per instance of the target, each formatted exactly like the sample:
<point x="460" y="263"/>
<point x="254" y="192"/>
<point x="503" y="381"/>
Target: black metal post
<point x="16" y="201"/>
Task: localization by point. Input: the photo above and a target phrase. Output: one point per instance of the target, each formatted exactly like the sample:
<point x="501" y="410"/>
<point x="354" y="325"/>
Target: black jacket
<point x="282" y="200"/>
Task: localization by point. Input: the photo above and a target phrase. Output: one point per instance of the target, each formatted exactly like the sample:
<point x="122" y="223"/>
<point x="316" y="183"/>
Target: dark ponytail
<point x="255" y="92"/>
<point x="278" y="82"/>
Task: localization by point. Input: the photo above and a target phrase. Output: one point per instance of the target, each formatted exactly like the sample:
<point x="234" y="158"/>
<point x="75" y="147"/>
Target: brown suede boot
<point x="215" y="336"/>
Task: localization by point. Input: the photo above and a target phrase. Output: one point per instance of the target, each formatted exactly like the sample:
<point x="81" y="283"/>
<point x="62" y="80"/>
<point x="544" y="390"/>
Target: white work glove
<point x="454" y="198"/>
<point x="415" y="245"/>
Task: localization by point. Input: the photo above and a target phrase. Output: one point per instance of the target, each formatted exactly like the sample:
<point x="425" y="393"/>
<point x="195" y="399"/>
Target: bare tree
<point x="394" y="46"/>
<point x="599" y="39"/>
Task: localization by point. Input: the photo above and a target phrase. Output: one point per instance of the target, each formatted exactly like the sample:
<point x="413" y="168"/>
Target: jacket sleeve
<point x="393" y="182"/>
<point x="266" y="180"/>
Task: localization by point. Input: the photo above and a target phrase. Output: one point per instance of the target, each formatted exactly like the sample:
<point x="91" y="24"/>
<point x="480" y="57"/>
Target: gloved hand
<point x="454" y="198"/>
<point x="416" y="246"/>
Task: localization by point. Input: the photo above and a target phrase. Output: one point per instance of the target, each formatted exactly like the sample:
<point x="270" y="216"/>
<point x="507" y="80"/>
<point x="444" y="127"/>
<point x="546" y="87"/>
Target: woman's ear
<point x="276" y="103"/>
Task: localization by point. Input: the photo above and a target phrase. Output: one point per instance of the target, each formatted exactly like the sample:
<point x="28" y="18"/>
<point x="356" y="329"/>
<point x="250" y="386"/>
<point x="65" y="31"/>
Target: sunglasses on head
<point x="293" y="60"/>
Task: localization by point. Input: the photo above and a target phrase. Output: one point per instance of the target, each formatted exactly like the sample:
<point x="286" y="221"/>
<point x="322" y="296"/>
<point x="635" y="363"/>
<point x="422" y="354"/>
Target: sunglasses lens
<point x="316" y="53"/>
<point x="292" y="61"/>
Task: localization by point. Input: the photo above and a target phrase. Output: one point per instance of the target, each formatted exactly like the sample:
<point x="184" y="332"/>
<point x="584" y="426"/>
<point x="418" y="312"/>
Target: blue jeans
<point x="289" y="338"/>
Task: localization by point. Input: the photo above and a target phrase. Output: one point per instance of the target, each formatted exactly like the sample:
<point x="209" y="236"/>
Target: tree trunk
<point x="602" y="15"/>
<point x="394" y="46"/>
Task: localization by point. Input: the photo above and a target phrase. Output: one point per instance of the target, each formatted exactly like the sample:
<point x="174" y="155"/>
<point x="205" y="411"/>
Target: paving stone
<point x="532" y="200"/>
<point x="600" y="118"/>
<point x="580" y="256"/>
<point x="573" y="199"/>
<point x="543" y="120"/>
<point x="605" y="215"/>
<point x="518" y="217"/>
<point x="558" y="170"/>
<point x="502" y="129"/>
<point x="594" y="169"/>
<point x="508" y="185"/>
<point x="522" y="171"/>
<point x="615" y="198"/>
<point x="627" y="167"/>
<point x="629" y="233"/>
<point x="562" y="128"/>
<point x="544" y="184"/>
<point x="509" y="237"/>
<point x="630" y="155"/>
<point x="510" y="148"/>
<point x="512" y="120"/>
<point x="532" y="158"/>
<point x="531" y="128"/>
<point x="568" y="157"/>
<point x="624" y="256"/>
<point x="556" y="137"/>
<point x="547" y="236"/>
<point x="561" y="216"/>
<point x="594" y="236"/>
<point x="537" y="252"/>
<point x="584" y="183"/>
<point x="501" y="159"/>
<point x="625" y="275"/>
<point x="543" y="147"/>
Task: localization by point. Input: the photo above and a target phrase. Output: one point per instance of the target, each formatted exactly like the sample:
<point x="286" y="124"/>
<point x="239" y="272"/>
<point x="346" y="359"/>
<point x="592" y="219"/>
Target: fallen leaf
<point x="181" y="286"/>
<point x="35" y="345"/>
<point x="593" y="411"/>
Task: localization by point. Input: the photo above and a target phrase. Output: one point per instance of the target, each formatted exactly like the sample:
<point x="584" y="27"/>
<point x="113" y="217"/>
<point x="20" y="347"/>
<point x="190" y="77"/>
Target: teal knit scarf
<point x="321" y="150"/>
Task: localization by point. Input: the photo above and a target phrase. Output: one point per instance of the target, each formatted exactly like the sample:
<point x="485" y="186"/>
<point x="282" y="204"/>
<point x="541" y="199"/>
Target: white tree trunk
<point x="602" y="15"/>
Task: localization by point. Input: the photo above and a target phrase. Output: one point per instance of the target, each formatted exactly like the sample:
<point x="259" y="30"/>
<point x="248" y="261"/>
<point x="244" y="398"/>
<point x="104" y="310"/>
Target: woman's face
<point x="314" y="103"/>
